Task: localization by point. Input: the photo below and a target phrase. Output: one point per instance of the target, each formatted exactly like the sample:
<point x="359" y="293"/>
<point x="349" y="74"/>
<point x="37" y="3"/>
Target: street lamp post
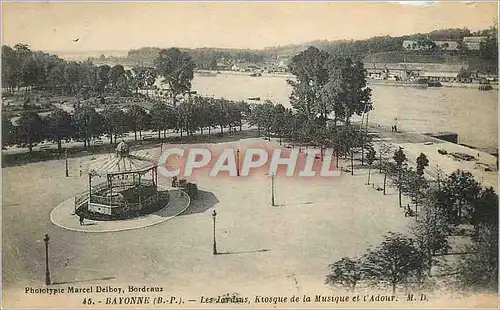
<point x="214" y="252"/>
<point x="238" y="162"/>
<point x="47" y="272"/>
<point x="66" y="159"/>
<point x="272" y="190"/>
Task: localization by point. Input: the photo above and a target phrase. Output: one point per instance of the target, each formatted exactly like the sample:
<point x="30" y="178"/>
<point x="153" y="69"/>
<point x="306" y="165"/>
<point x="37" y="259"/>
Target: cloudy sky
<point x="121" y="26"/>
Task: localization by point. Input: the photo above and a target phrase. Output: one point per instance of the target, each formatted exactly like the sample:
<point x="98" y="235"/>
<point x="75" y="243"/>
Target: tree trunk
<point x="385" y="180"/>
<point x="59" y="146"/>
<point x="352" y="162"/>
<point x="201" y="130"/>
<point x="221" y="129"/>
<point x="209" y="129"/>
<point x="393" y="288"/>
<point x="369" y="170"/>
<point x="135" y="134"/>
<point x="362" y="149"/>
<point x="399" y="189"/>
<point x="164" y="133"/>
<point x="159" y="134"/>
<point x="380" y="162"/>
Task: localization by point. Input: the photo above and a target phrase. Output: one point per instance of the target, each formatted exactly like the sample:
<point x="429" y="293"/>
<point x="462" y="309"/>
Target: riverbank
<point x="483" y="166"/>
<point x="229" y="72"/>
<point x="443" y="84"/>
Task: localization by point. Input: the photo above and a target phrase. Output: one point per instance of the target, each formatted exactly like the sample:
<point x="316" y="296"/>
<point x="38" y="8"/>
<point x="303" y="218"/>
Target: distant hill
<point x="379" y="49"/>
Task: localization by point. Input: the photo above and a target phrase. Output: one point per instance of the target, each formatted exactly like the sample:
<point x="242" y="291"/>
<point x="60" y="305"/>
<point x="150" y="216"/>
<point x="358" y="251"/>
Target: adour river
<point x="471" y="113"/>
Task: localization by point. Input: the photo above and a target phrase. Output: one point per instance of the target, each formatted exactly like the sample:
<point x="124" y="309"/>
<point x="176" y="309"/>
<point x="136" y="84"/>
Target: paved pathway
<point x="63" y="216"/>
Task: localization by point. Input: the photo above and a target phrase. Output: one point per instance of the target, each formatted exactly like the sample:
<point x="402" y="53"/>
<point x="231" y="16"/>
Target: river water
<point x="471" y="113"/>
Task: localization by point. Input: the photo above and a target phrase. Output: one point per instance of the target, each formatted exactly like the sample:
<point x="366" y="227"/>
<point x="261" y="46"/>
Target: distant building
<point x="433" y="71"/>
<point x="413" y="45"/>
<point x="447" y="45"/>
<point x="473" y="43"/>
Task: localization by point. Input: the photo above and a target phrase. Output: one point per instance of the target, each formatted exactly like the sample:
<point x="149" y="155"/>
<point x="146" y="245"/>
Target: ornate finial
<point x="122" y="149"/>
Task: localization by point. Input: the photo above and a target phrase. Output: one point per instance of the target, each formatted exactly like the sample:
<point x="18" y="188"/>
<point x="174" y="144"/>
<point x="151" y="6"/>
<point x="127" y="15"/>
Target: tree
<point x="346" y="272"/>
<point x="161" y="118"/>
<point x="278" y="124"/>
<point x="485" y="211"/>
<point x="463" y="74"/>
<point x="488" y="50"/>
<point x="461" y="191"/>
<point x="7" y="131"/>
<point x="395" y="261"/>
<point x="114" y="74"/>
<point x="370" y="158"/>
<point x="102" y="78"/>
<point x="29" y="130"/>
<point x="138" y="119"/>
<point x="311" y="71"/>
<point x="422" y="163"/>
<point x="399" y="157"/>
<point x="479" y="269"/>
<point x="177" y="68"/>
<point x="88" y="123"/>
<point x="59" y="126"/>
<point x="115" y="121"/>
<point x="431" y="230"/>
<point x="347" y="90"/>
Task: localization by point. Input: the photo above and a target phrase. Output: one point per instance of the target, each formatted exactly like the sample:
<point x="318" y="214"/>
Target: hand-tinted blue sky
<point x="121" y="26"/>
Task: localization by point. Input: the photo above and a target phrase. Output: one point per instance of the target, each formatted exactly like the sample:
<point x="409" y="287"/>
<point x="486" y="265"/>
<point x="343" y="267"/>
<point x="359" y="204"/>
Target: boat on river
<point x="420" y="82"/>
<point x="206" y="73"/>
<point x="485" y="85"/>
<point x="434" y="84"/>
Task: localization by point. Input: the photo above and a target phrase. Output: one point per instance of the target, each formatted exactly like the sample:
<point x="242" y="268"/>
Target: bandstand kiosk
<point x="121" y="185"/>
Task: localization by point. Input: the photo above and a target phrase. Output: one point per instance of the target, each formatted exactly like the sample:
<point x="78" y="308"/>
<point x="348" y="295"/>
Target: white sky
<point x="121" y="26"/>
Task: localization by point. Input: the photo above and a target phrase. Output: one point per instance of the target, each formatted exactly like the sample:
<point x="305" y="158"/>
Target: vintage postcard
<point x="249" y="154"/>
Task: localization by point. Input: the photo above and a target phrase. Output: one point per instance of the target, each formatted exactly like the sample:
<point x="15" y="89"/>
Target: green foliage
<point x="399" y="157"/>
<point x="29" y="129"/>
<point x="396" y="261"/>
<point x="422" y="163"/>
<point x="460" y="191"/>
<point x="370" y="156"/>
<point x="59" y="125"/>
<point x="346" y="272"/>
<point x="7" y="131"/>
<point x="478" y="271"/>
<point x="177" y="68"/>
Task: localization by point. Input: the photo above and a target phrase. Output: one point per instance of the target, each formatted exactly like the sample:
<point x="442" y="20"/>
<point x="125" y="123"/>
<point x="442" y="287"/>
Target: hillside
<point x="377" y="49"/>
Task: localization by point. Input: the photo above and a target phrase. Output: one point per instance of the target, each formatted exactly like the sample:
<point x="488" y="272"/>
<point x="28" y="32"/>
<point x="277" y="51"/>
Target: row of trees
<point x="86" y="123"/>
<point x="27" y="69"/>
<point x="444" y="204"/>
